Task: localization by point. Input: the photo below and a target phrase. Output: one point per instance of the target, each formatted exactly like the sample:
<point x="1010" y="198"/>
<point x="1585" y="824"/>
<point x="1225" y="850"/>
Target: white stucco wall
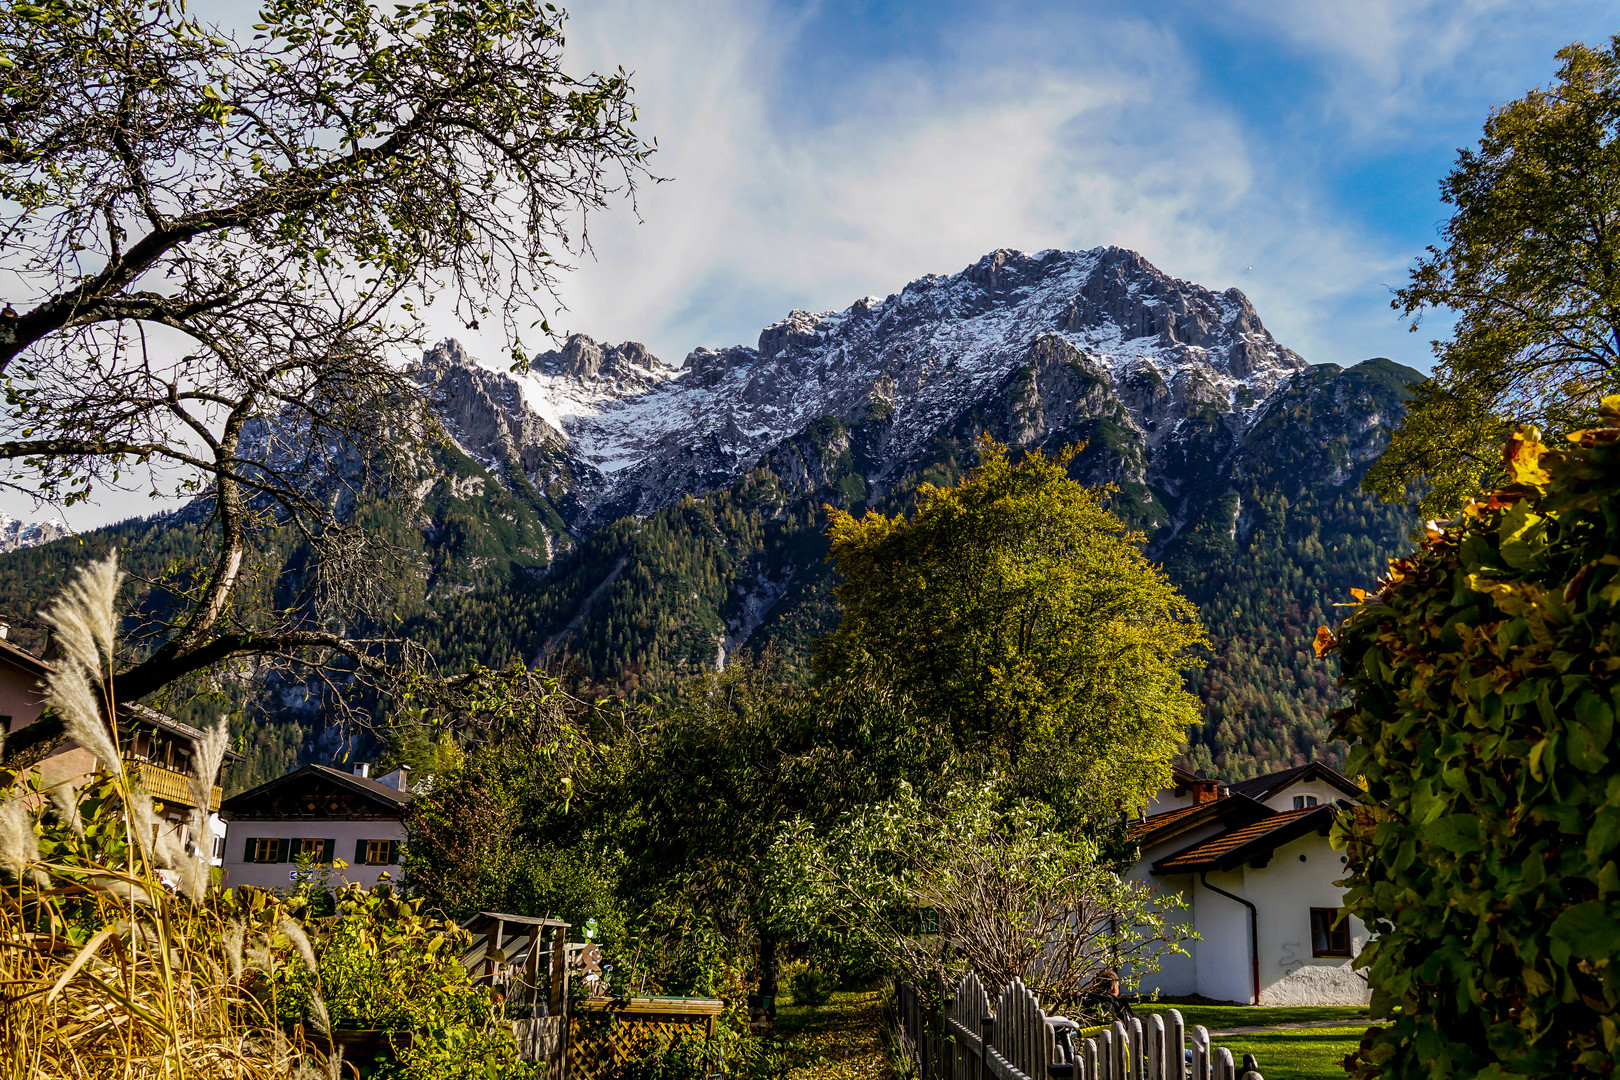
<point x="278" y="875"/>
<point x="1326" y="794"/>
<point x="1284" y="892"/>
<point x="1223" y="925"/>
<point x="1177" y="975"/>
<point x="1167" y="799"/>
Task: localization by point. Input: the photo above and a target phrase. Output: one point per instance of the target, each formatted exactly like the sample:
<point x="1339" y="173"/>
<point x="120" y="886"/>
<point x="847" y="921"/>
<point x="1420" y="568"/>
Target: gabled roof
<point x="383" y="796"/>
<point x="1232" y="810"/>
<point x="140" y="714"/>
<point x="17" y="656"/>
<point x="1263" y="787"/>
<point x="1251" y="843"/>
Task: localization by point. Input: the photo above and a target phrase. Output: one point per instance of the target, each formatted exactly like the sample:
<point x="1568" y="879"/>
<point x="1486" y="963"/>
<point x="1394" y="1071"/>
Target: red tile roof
<point x="1244" y="844"/>
<point x="1155" y="822"/>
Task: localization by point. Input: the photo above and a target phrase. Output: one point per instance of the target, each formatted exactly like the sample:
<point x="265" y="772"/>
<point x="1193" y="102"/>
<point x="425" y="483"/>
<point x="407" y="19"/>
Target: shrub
<point x="1484" y="671"/>
<point x="811" y="987"/>
<point x="381" y="963"/>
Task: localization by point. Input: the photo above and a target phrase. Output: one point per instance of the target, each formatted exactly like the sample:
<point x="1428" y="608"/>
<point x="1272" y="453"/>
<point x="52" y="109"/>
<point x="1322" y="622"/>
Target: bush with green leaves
<point x="1486" y="675"/>
<point x="382" y="963"/>
<point x="977" y="882"/>
<point x="811" y="987"/>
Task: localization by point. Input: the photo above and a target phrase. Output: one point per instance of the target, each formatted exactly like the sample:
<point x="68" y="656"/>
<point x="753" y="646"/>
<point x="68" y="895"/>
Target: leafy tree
<point x="222" y="244"/>
<point x="497" y="827"/>
<point x="1484" y="676"/>
<point x="973" y="884"/>
<point x="1018" y="614"/>
<point x="1531" y="266"/>
<point x="734" y="758"/>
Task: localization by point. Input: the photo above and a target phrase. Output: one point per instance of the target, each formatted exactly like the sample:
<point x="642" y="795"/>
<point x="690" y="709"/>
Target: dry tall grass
<point x="105" y="970"/>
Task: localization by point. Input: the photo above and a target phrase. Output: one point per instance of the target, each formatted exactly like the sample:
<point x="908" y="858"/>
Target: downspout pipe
<point x="1254" y="934"/>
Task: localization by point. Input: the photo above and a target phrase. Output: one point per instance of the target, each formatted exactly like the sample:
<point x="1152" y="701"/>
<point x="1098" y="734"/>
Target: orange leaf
<point x="1323" y="642"/>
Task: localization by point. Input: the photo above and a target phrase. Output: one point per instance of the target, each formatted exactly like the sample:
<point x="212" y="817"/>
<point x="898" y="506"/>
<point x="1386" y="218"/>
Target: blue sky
<point x="818" y="152"/>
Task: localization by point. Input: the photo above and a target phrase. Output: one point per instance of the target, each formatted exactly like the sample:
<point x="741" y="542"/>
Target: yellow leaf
<point x="1523" y="457"/>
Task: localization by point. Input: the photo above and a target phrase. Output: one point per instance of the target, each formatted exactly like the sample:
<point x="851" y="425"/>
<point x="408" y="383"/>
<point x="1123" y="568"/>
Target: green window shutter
<point x="328" y="851"/>
<point x="284" y="853"/>
<point x="359" y="853"/>
<point x="393" y="852"/>
<point x="251" y="850"/>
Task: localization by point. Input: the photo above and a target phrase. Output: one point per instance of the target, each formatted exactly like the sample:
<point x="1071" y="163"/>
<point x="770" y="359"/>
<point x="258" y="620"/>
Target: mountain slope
<point x="641" y="521"/>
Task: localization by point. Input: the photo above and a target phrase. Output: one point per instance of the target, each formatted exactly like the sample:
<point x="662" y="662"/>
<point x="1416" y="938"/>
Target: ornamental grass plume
<point x="104" y="972"/>
<point x="207" y="756"/>
<point x="79" y="687"/>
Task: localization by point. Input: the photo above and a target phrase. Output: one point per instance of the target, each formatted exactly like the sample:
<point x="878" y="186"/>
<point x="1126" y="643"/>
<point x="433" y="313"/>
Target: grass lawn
<point x="1302" y="1054"/>
<point x="1308" y="1054"/>
<point x="1222" y="1017"/>
<point x="836" y="1041"/>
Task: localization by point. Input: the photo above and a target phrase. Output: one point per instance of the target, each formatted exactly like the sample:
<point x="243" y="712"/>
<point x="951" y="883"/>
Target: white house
<point x="1252" y="862"/>
<point x="324" y="812"/>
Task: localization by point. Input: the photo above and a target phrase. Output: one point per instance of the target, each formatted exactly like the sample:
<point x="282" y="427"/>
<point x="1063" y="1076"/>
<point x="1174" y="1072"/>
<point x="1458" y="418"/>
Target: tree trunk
<point x="768" y="971"/>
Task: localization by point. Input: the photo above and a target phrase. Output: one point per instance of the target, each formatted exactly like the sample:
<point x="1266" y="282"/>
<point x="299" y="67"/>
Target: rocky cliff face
<point x="1047" y="342"/>
<point x="1238" y="460"/>
<point x="15" y="534"/>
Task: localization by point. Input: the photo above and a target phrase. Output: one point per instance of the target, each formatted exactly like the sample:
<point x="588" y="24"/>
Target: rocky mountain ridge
<point x="612" y="430"/>
<point x="16" y="535"/>
<point x="639" y="522"/>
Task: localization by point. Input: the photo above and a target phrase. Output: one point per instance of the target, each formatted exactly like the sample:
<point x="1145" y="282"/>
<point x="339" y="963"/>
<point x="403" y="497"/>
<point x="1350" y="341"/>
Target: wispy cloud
<point x="1075" y="132"/>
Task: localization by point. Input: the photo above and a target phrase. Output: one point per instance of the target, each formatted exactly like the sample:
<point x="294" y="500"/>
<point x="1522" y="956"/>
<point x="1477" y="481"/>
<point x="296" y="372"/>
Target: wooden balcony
<point x="168" y="787"/>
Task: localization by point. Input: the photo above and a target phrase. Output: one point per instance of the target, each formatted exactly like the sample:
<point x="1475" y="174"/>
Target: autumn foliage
<point x="1484" y="671"/>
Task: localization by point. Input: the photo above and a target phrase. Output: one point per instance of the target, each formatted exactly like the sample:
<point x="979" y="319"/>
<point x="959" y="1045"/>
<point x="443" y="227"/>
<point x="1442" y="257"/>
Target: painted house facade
<point x="321" y="812"/>
<point x="1252" y="863"/>
<point x="155" y="748"/>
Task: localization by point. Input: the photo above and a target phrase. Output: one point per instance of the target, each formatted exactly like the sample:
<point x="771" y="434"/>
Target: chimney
<point x="403" y="781"/>
<point x="362" y="770"/>
<point x="1205" y="791"/>
<point x="5" y="631"/>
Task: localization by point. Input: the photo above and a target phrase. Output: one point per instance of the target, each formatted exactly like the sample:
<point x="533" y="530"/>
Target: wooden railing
<point x="167" y="786"/>
<point x="969" y="1039"/>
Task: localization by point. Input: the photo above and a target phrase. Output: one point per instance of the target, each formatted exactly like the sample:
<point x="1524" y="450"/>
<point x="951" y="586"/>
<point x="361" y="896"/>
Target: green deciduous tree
<point x="722" y="770"/>
<point x="1015" y="612"/>
<point x="1530" y="265"/>
<point x="512" y="821"/>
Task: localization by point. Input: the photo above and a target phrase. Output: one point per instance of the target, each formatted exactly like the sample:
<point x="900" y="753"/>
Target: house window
<point x="1330" y="934"/>
<point x="1302" y="801"/>
<point x="219" y="847"/>
<point x="264" y="849"/>
<point x="5" y="724"/>
<point x="313" y="846"/>
<point x="377" y="852"/>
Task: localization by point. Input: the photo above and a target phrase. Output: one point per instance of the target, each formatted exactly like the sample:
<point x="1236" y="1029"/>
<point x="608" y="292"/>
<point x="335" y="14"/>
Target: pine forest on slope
<point x="639" y="522"/>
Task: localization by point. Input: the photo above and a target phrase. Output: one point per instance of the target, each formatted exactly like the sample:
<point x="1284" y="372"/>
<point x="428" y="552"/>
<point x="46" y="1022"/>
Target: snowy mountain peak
<point x="638" y="433"/>
<point x="15" y="534"/>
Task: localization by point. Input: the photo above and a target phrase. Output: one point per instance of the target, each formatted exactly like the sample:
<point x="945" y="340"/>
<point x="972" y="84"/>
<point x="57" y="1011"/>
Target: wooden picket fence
<point x="969" y="1039"/>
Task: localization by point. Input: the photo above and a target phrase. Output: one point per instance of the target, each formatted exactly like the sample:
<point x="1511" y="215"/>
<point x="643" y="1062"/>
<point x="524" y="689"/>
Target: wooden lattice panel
<point x="602" y="1033"/>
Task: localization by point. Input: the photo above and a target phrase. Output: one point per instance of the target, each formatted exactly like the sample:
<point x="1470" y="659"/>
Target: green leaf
<point x="1585" y="932"/>
<point x="1457" y="833"/>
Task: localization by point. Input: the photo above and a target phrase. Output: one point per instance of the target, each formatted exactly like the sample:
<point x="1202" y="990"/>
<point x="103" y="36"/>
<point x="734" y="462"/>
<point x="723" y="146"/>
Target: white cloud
<point x="909" y="168"/>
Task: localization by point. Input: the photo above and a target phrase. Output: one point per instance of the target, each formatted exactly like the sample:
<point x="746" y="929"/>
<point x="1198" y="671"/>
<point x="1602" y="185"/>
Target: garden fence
<point x="1014" y="1039"/>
